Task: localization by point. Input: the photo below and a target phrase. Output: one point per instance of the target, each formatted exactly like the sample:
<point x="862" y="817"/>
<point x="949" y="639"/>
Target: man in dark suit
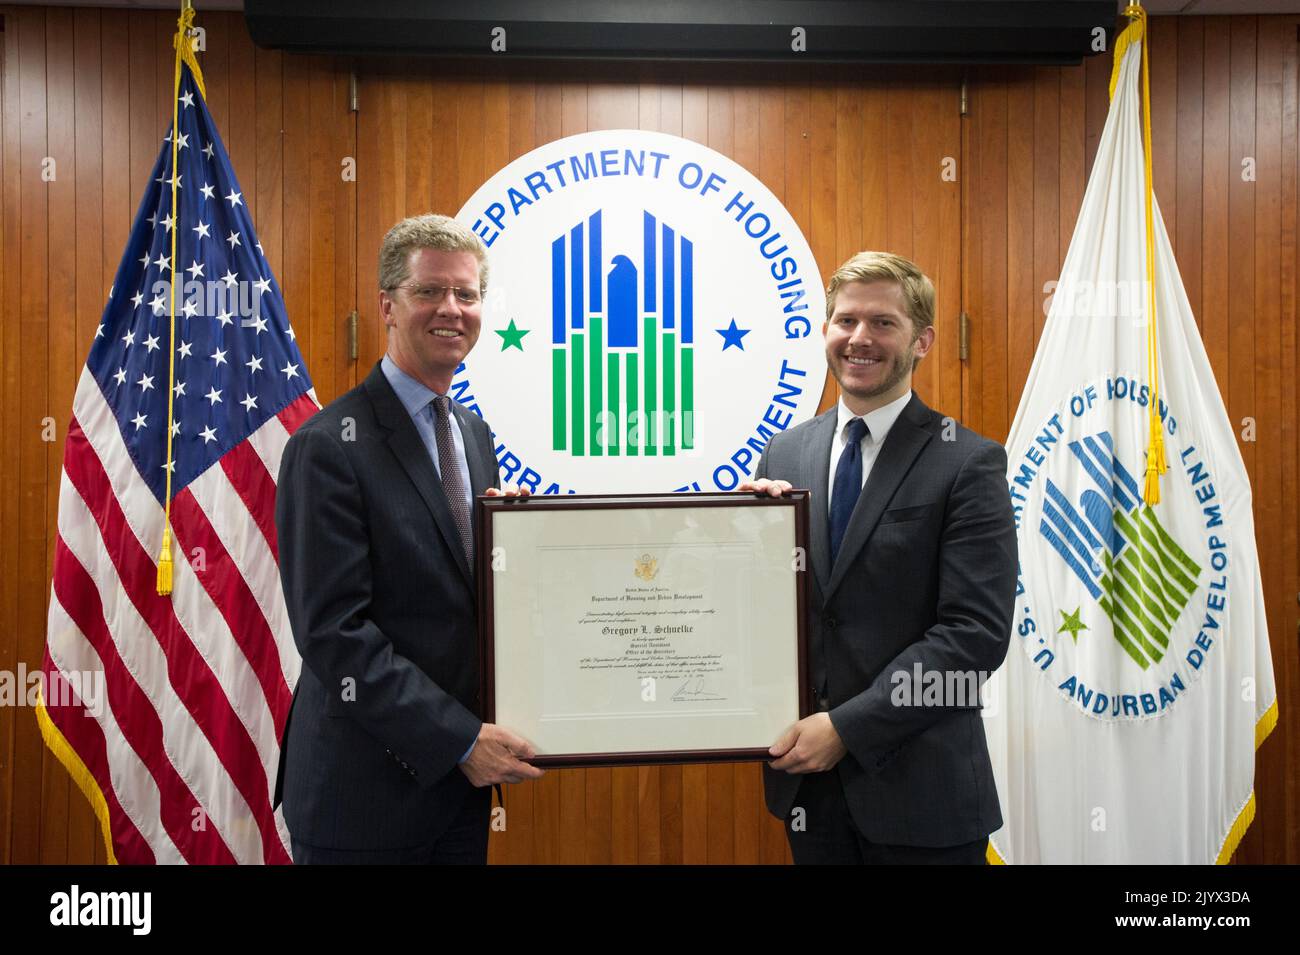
<point x="911" y="593"/>
<point x="384" y="757"/>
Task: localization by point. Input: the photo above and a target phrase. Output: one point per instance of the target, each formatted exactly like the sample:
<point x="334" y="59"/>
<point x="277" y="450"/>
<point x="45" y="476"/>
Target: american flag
<point x="178" y="753"/>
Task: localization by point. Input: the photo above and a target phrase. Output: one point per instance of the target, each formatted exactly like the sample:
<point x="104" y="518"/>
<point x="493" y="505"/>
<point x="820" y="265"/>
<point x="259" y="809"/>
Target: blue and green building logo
<point x="1118" y="549"/>
<point x="622" y="342"/>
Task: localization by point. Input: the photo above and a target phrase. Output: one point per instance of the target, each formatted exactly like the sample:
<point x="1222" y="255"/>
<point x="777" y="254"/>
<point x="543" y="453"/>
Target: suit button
<point x="830" y="623"/>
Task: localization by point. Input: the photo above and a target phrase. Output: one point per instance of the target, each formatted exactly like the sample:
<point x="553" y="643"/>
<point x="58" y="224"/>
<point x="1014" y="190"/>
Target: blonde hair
<point x="918" y="290"/>
<point x="442" y="233"/>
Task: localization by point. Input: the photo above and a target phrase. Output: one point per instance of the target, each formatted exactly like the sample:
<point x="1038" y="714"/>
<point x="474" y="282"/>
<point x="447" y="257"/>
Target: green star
<point x="513" y="336"/>
<point x="1072" y="623"/>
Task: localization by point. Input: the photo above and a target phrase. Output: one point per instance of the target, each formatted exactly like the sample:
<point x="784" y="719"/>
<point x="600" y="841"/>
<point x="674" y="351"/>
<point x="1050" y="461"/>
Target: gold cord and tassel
<point x="1157" y="463"/>
<point x="184" y="54"/>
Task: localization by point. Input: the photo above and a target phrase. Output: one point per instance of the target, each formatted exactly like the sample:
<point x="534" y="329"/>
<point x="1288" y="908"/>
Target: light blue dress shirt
<point x="417" y="398"/>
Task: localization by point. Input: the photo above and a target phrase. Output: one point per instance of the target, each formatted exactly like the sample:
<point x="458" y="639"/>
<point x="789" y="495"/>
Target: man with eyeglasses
<point x="384" y="758"/>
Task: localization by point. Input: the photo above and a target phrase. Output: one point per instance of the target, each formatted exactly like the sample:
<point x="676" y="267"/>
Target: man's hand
<point x="765" y="486"/>
<point x="810" y="746"/>
<point x="510" y="490"/>
<point x="497" y="758"/>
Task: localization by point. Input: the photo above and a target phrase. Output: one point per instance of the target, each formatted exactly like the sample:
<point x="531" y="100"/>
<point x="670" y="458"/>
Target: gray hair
<point x="441" y="233"/>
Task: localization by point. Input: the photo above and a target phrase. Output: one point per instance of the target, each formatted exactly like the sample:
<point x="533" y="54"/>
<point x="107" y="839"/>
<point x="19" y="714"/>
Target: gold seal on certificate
<point x="649" y="628"/>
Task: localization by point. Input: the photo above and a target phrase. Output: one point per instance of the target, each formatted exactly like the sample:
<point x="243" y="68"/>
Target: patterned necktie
<point x="452" y="485"/>
<point x="848" y="483"/>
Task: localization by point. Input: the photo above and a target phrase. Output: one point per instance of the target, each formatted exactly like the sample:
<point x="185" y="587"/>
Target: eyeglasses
<point x="433" y="294"/>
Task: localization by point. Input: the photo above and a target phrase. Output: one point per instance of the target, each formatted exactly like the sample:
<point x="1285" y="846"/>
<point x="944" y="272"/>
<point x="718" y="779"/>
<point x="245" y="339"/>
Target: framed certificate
<point x="623" y="629"/>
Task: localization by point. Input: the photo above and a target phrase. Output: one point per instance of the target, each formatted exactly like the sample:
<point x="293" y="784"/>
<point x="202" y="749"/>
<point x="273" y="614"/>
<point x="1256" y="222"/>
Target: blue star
<point x="732" y="336"/>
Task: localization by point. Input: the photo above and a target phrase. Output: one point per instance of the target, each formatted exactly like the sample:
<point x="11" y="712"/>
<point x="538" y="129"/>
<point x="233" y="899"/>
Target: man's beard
<point x="899" y="369"/>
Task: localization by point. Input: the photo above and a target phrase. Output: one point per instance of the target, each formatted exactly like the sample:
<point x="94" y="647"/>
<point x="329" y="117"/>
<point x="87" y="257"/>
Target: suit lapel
<point x="816" y="461"/>
<point x="481" y="461"/>
<point x="481" y="475"/>
<point x="414" y="458"/>
<point x="905" y="440"/>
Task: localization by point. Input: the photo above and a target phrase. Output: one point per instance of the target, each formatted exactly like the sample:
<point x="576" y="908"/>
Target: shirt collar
<point x="414" y="395"/>
<point x="878" y="422"/>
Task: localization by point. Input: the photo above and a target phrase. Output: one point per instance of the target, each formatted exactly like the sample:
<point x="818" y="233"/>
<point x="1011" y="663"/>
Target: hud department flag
<point x="1124" y="723"/>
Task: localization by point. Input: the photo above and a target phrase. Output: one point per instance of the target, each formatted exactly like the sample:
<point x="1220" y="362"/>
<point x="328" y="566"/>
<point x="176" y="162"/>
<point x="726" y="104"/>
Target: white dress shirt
<point x="878" y="424"/>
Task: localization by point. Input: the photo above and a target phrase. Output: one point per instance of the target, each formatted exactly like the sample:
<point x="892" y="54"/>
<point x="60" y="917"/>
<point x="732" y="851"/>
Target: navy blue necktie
<point x="848" y="483"/>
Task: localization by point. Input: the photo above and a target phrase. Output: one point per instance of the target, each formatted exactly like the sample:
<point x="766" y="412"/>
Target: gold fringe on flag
<point x="81" y="775"/>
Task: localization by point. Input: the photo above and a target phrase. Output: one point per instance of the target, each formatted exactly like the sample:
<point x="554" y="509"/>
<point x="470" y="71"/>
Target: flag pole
<point x="181" y="42"/>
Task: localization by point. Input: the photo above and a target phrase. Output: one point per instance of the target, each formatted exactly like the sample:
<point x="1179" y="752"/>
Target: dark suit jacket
<point x="381" y="601"/>
<point x="926" y="575"/>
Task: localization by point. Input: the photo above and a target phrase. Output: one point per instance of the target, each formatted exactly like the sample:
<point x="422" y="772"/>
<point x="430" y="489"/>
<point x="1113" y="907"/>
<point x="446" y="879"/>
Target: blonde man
<point x="384" y="757"/>
<point x="913" y="577"/>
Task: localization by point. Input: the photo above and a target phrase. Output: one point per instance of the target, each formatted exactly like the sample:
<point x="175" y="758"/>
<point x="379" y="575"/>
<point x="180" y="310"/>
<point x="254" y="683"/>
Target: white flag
<point x="1124" y="723"/>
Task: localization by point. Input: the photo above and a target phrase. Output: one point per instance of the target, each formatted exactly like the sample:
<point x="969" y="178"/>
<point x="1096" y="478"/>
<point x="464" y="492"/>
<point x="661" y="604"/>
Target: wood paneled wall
<point x="856" y="155"/>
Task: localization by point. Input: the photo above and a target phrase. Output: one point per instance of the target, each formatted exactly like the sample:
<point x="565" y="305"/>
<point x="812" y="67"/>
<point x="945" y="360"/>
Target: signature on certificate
<point x="693" y="691"/>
